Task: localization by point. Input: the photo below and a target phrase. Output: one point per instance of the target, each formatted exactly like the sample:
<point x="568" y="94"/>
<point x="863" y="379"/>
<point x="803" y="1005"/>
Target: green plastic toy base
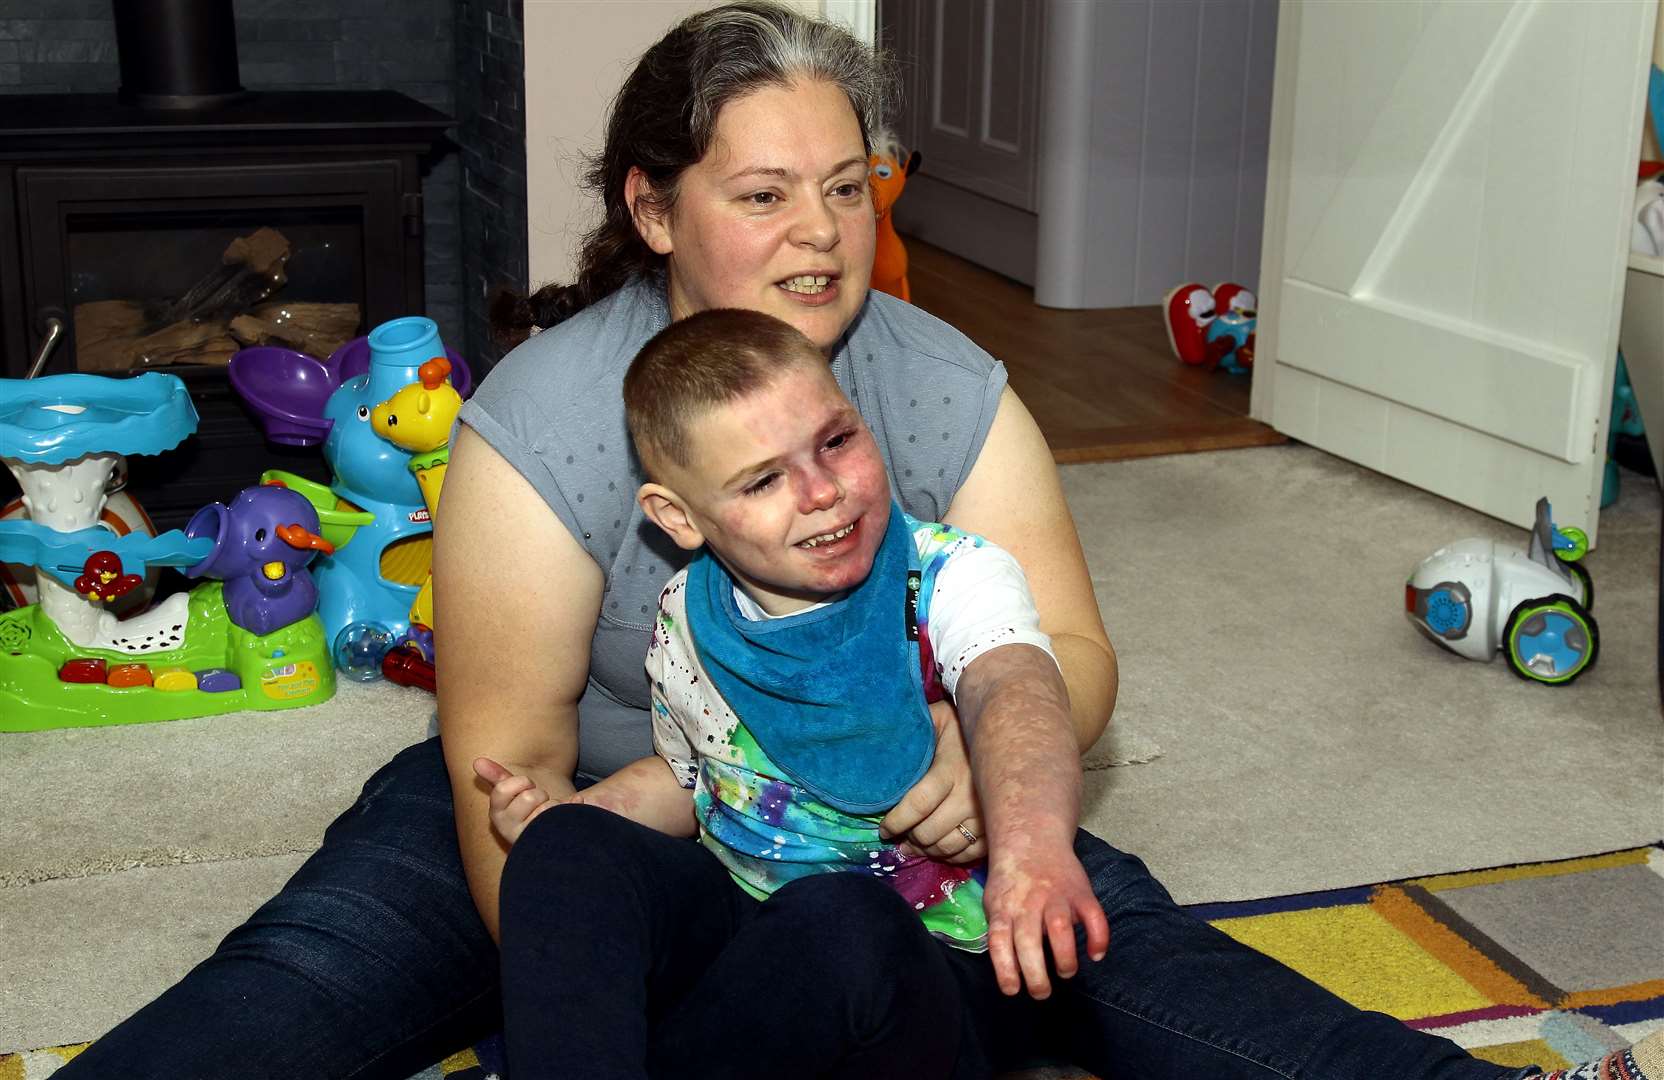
<point x="33" y="698"/>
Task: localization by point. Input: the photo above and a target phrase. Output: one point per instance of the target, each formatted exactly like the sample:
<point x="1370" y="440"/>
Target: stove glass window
<point x="192" y="287"/>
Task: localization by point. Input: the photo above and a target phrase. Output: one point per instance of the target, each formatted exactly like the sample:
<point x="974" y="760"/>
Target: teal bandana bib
<point x="833" y="696"/>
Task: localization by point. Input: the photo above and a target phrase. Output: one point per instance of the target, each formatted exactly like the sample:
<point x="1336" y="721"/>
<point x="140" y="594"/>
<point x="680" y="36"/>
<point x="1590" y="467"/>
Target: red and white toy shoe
<point x="1190" y="308"/>
<point x="1228" y="296"/>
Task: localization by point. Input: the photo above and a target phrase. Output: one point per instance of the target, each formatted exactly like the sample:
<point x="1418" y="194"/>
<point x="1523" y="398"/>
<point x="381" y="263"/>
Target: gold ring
<point x="969" y="836"/>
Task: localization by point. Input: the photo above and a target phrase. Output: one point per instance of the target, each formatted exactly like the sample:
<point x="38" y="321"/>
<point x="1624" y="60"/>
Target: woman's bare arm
<point x="1014" y="498"/>
<point x="516" y="600"/>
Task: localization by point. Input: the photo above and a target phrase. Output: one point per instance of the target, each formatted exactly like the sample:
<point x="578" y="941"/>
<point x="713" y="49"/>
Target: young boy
<point x="794" y="657"/>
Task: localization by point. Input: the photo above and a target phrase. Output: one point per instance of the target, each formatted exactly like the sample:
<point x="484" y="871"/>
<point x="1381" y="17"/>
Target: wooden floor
<point x="1103" y="384"/>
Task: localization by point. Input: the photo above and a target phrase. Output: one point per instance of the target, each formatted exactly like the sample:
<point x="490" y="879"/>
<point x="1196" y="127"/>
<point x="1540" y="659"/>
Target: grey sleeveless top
<point x="554" y="409"/>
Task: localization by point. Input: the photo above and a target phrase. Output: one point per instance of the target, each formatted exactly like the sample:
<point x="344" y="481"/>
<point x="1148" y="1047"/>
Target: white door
<point x="1446" y="235"/>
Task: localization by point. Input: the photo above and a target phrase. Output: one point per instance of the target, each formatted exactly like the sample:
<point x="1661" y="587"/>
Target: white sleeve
<point x="670" y="737"/>
<point x="980" y="602"/>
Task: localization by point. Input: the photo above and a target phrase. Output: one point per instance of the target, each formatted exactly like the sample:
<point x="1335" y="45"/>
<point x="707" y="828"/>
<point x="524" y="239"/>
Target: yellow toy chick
<point x="418" y="418"/>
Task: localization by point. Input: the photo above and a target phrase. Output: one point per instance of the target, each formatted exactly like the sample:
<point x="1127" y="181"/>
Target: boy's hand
<point x="930" y="814"/>
<point x="515" y="798"/>
<point x="1033" y="899"/>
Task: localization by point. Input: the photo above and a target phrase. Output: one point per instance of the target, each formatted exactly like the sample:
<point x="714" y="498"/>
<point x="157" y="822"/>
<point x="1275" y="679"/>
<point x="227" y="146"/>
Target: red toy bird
<point x="102" y="580"/>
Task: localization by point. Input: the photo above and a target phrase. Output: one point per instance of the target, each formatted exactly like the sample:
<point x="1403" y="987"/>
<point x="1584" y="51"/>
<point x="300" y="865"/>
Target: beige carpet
<point x="1310" y="738"/>
<point x="212" y="788"/>
<point x="1294" y="733"/>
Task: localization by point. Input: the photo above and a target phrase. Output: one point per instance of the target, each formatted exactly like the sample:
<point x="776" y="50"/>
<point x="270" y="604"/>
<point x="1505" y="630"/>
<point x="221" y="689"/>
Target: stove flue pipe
<point x="177" y="54"/>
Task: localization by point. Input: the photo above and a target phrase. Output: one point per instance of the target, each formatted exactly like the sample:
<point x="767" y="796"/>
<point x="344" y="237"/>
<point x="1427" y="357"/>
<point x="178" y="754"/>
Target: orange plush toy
<point x="889" y="257"/>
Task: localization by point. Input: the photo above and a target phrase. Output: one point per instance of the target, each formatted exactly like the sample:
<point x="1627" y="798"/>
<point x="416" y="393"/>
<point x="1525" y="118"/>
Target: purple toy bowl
<point x="286" y="390"/>
<point x="353" y="359"/>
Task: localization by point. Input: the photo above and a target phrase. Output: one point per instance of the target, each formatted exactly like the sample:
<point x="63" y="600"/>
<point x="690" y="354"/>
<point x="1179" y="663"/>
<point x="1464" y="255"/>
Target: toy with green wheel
<point x="1476" y="597"/>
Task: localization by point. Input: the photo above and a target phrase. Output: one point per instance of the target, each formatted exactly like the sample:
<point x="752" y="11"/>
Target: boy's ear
<point x="666" y="509"/>
<point x="649" y="223"/>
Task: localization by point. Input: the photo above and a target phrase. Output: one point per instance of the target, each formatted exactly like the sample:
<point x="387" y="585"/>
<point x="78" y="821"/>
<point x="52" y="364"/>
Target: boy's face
<point x="786" y="485"/>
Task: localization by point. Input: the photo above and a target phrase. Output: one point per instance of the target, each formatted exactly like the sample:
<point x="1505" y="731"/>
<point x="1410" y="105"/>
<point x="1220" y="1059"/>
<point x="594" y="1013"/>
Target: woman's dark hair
<point x="664" y="119"/>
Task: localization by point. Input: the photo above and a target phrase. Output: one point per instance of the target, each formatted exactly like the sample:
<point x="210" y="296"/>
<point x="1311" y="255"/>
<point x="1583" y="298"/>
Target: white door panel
<point x="1429" y="93"/>
<point x="1420" y="448"/>
<point x="1446" y="232"/>
<point x="1512" y="388"/>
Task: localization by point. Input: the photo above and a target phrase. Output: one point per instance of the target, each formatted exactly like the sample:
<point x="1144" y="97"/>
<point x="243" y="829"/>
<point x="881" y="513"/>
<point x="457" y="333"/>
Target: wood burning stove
<point x="164" y="238"/>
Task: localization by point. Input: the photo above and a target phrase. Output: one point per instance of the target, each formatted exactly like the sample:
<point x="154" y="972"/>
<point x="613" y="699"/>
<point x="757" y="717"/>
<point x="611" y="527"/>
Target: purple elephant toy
<point x="262" y="543"/>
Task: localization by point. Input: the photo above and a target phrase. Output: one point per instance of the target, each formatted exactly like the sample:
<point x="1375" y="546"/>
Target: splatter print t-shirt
<point x="768" y="831"/>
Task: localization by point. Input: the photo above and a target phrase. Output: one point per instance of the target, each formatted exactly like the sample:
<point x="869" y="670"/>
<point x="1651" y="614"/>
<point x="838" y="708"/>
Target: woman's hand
<point x="929" y="816"/>
<point x="1033" y="899"/>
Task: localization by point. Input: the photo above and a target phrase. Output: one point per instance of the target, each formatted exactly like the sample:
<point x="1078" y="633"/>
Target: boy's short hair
<point x="707" y="359"/>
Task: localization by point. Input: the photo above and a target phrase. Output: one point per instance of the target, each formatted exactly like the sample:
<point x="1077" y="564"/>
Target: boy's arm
<point x="1014" y="707"/>
<point x="657" y="791"/>
<point x="1013" y="497"/>
<point x="646" y="792"/>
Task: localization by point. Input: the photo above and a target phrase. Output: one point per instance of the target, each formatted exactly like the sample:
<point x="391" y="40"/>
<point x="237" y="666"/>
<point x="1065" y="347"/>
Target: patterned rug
<point x="1546" y="963"/>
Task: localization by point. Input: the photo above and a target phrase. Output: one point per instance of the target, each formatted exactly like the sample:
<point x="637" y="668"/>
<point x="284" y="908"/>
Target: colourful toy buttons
<point x="93" y="670"/>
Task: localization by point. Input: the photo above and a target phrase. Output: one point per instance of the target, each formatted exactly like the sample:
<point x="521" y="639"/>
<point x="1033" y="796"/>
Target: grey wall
<point x="68" y="46"/>
<point x="57" y="46"/>
<point x="1180" y="124"/>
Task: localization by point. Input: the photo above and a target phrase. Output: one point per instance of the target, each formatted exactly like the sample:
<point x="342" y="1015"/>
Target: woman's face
<point x="776" y="217"/>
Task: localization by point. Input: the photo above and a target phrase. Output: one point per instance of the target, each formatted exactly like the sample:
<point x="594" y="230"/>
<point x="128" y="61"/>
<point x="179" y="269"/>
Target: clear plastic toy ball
<point x="359" y="648"/>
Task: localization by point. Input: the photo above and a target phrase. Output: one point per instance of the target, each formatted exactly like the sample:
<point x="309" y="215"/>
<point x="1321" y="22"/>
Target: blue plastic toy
<point x="1626" y="420"/>
<point x="1226" y="336"/>
<point x="372" y="511"/>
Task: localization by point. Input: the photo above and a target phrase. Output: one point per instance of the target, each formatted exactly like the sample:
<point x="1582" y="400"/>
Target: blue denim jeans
<point x="373" y="963"/>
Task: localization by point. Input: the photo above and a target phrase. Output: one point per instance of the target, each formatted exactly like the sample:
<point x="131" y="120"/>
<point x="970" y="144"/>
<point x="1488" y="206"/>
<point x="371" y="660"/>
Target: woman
<point x="733" y="175"/>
